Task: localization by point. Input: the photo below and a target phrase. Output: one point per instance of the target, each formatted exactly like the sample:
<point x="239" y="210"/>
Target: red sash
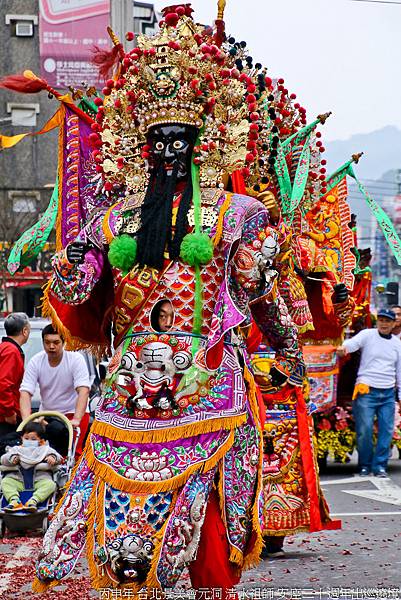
<point x="308" y="461"/>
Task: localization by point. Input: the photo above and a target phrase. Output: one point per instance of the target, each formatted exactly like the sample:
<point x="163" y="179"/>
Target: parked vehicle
<point x="34" y="344"/>
<point x="32" y="347"/>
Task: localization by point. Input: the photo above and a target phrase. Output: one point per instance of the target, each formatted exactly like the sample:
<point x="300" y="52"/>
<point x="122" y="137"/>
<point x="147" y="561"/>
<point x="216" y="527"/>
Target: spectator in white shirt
<point x="378" y="375"/>
<point x="63" y="381"/>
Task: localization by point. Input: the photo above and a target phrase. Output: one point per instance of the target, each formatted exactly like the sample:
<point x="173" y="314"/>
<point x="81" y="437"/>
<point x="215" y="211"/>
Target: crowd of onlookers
<point x="64" y="383"/>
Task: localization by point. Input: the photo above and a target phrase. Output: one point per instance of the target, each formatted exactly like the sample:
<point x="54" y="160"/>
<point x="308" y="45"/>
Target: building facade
<point x="28" y="170"/>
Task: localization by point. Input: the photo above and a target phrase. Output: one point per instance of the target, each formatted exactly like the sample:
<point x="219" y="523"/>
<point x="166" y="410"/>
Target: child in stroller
<point x="22" y="520"/>
<point x="33" y="462"/>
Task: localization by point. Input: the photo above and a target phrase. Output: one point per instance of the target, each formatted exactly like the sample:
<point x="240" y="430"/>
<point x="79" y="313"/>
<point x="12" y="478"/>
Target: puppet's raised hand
<point x="76" y="252"/>
<point x="340" y="293"/>
<point x="277" y="378"/>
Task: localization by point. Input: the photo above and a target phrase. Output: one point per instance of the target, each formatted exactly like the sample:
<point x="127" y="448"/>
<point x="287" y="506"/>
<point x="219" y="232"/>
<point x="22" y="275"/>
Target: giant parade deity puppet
<point x="186" y="464"/>
<point x="295" y="195"/>
<point x="318" y="284"/>
<point x="155" y="255"/>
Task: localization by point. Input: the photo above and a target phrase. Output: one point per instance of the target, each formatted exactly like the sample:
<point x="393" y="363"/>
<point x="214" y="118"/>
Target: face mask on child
<point x="30" y="443"/>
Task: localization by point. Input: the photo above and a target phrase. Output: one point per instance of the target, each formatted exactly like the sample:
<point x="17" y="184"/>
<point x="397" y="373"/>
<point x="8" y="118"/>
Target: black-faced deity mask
<point x="170" y="156"/>
<point x="171" y="147"/>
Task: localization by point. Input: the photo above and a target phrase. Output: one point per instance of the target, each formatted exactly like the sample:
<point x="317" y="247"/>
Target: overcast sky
<point x="337" y="55"/>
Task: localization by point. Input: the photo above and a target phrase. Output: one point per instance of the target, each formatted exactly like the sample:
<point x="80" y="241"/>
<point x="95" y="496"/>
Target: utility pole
<point x="122" y="19"/>
<point x="132" y="15"/>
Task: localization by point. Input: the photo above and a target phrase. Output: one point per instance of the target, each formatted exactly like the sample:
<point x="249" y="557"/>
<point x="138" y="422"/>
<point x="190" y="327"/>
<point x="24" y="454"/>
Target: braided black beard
<point x="156" y="216"/>
<point x="181" y="223"/>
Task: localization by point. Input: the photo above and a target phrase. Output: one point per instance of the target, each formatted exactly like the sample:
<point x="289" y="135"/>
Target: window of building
<point x="24" y="205"/>
<point x="23" y="114"/>
<point x="145" y="19"/>
<point x="143" y="12"/>
<point x="24" y="201"/>
<point x="22" y="25"/>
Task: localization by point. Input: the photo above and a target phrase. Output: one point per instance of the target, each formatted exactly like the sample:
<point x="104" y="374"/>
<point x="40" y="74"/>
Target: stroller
<point x="23" y="520"/>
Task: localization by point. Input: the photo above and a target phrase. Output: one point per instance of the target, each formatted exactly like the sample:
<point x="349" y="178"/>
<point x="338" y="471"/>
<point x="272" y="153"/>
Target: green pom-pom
<point x="196" y="249"/>
<point x="122" y="252"/>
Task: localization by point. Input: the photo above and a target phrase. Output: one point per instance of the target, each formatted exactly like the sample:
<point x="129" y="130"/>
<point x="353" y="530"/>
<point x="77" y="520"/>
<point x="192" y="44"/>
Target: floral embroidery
<point x="240" y="477"/>
<point x="166" y="459"/>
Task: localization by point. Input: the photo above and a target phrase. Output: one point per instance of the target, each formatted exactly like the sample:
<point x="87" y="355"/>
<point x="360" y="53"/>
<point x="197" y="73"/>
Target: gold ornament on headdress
<point x="221" y="5"/>
<point x="113" y="37"/>
<point x="188" y="74"/>
<point x="178" y="76"/>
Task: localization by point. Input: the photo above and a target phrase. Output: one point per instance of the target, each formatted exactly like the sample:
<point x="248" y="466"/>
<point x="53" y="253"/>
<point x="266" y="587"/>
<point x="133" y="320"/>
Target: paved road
<point x="363" y="556"/>
<point x="360" y="561"/>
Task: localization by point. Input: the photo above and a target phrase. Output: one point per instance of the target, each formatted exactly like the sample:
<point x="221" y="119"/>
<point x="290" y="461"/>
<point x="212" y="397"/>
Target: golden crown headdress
<point x="183" y="74"/>
<point x="191" y="74"/>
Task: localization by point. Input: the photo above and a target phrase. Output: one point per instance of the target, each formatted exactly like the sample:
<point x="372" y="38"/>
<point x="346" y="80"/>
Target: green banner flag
<point x="300" y="135"/>
<point x="283" y="178"/>
<point x="336" y="177"/>
<point x="281" y="169"/>
<point x="32" y="241"/>
<point x="381" y="217"/>
<point x="300" y="178"/>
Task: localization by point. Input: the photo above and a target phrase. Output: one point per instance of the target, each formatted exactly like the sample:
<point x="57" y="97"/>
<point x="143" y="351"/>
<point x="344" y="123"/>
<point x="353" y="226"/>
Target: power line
<point x="374" y="193"/>
<point x="374" y="196"/>
<point x="371" y="186"/>
<point x="378" y="191"/>
<point x="378" y="200"/>
<point x="387" y="190"/>
<point x="376" y="1"/>
<point x="376" y="182"/>
<point x="377" y="188"/>
<point x="370" y="182"/>
<point x="377" y="197"/>
<point x="381" y="184"/>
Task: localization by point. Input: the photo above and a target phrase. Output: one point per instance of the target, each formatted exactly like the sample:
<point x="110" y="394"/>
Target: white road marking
<point x="387" y="496"/>
<point x="353" y="479"/>
<point x="18" y="559"/>
<point x="377" y="513"/>
<point x="386" y="490"/>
